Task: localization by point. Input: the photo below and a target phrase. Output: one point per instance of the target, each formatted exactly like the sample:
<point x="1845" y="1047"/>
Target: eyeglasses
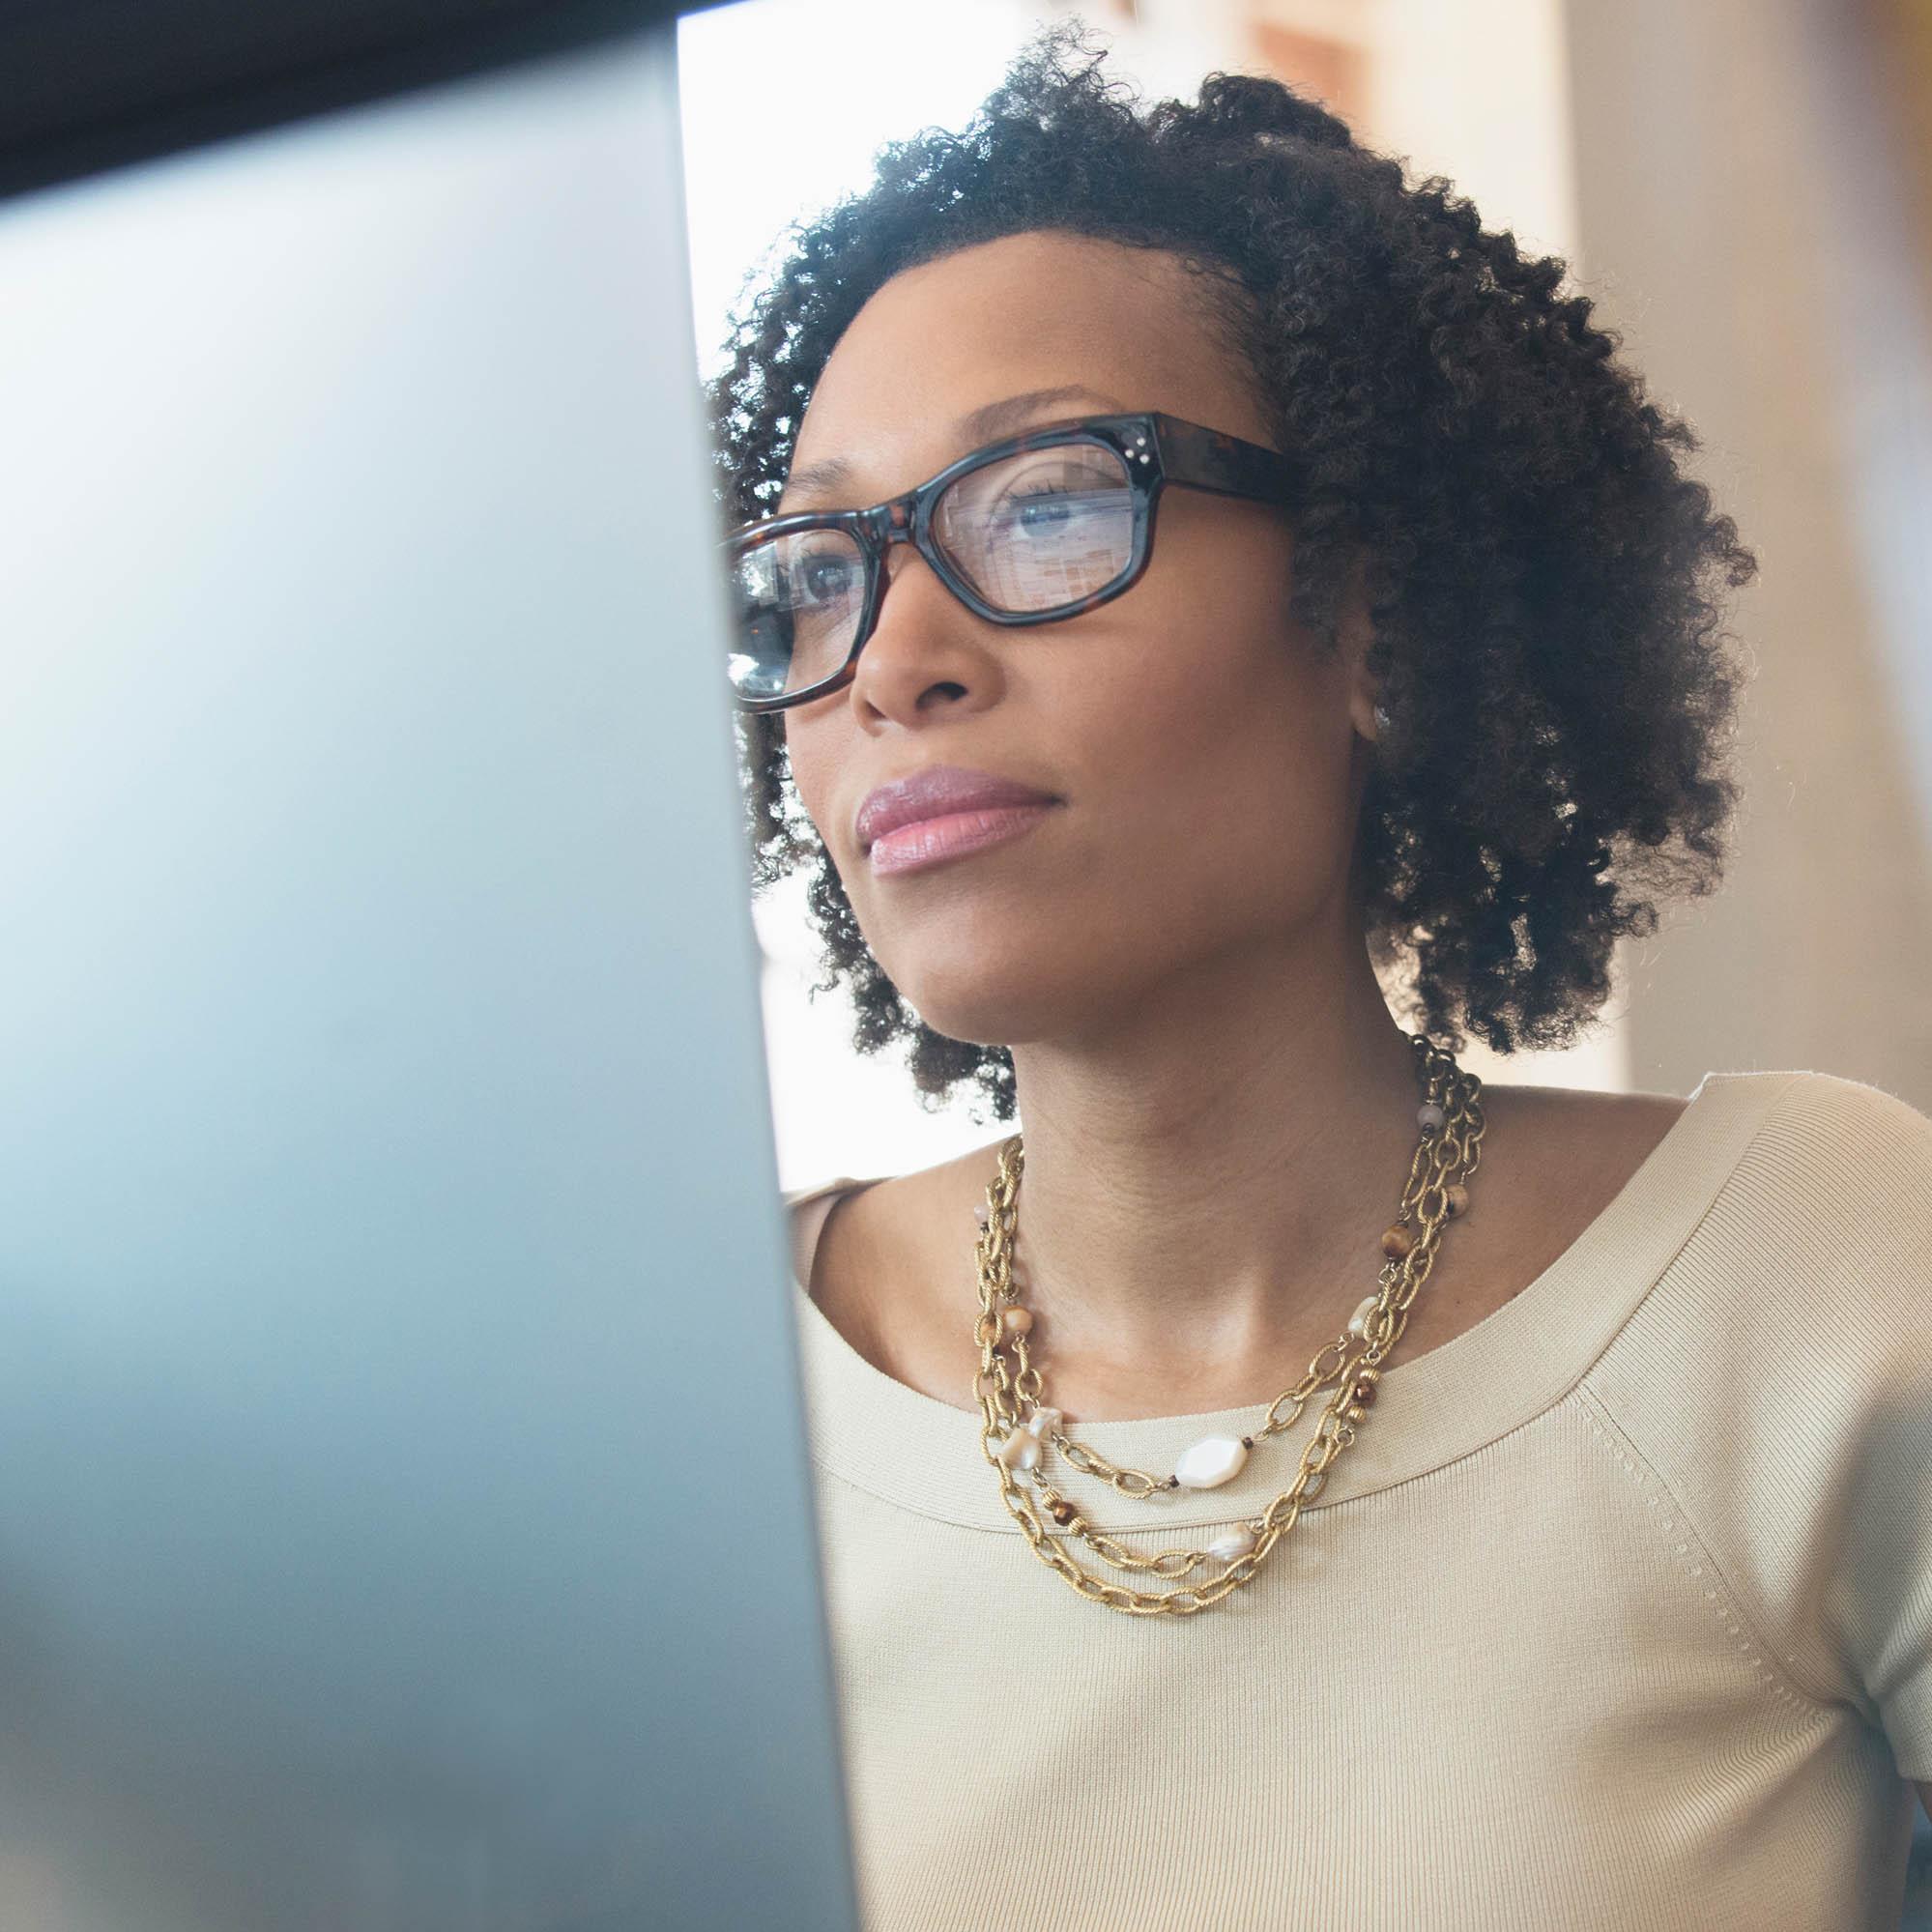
<point x="1032" y="530"/>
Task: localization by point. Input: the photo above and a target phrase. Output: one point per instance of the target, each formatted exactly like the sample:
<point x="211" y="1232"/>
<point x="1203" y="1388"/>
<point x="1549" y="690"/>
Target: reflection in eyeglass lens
<point x="1031" y="532"/>
<point x="1042" y="529"/>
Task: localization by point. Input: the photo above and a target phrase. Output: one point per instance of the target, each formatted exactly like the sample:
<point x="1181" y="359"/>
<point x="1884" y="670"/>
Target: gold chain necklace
<point x="1451" y="1120"/>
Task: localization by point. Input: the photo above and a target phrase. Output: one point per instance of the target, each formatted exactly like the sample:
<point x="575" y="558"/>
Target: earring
<point x="1382" y="718"/>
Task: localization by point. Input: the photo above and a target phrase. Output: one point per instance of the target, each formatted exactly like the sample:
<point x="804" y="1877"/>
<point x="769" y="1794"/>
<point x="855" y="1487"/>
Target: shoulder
<point x="813" y="1214"/>
<point x="1825" y="1220"/>
<point x="1796" y="1285"/>
<point x="1587" y="1121"/>
<point x="1824" y="1112"/>
<point x="976" y="1161"/>
<point x="855" y="1240"/>
<point x="885" y="1264"/>
<point x="885" y="1200"/>
<point x="1844" y="1168"/>
<point x="1777" y="1379"/>
<point x="1847" y="1160"/>
<point x="1567" y="1153"/>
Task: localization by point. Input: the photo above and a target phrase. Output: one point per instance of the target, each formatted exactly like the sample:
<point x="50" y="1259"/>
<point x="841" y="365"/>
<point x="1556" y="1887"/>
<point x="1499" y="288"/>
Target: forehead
<point x="1037" y="312"/>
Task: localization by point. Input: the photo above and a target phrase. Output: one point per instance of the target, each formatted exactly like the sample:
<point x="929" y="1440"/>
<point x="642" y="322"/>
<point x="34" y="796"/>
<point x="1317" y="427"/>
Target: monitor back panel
<point x="404" y="1517"/>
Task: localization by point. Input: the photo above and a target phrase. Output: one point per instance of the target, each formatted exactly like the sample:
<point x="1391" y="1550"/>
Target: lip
<point x="932" y="841"/>
<point x="938" y="792"/>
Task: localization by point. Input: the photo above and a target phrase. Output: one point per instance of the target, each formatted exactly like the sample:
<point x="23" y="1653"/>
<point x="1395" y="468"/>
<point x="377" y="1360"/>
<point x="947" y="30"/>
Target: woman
<point x="1300" y="590"/>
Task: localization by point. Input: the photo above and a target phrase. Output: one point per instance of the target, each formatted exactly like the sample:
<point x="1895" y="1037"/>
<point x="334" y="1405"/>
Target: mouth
<point x="953" y="835"/>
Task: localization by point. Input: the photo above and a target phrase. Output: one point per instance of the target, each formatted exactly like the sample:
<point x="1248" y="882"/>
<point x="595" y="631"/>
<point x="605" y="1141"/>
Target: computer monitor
<point x="405" y="1522"/>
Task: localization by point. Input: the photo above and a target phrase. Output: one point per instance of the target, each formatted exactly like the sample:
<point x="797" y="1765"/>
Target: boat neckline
<point x="908" y="1448"/>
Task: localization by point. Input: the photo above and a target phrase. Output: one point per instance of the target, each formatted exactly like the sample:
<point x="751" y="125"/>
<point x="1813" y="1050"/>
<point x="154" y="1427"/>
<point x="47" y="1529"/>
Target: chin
<point x="1009" y="1003"/>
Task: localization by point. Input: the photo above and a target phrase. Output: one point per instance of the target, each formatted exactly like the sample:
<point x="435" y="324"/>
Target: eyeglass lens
<point x="1029" y="532"/>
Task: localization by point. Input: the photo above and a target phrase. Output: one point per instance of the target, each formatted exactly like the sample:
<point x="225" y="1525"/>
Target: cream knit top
<point x="1618" y="1614"/>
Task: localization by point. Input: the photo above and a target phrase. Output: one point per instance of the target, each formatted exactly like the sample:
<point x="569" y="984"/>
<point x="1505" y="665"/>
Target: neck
<point x="1206" y="1187"/>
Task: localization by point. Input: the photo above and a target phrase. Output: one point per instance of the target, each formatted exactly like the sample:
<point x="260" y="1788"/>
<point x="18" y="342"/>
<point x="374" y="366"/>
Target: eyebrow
<point x="984" y="425"/>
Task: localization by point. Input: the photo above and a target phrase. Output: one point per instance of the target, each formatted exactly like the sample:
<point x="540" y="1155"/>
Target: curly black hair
<point x="1542" y="576"/>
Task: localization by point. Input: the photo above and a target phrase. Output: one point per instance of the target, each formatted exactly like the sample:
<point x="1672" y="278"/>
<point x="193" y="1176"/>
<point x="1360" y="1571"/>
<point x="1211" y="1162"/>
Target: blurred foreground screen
<point x="385" y="1159"/>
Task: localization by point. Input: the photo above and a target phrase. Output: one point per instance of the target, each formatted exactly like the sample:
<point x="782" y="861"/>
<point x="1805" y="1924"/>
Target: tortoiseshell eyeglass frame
<point x="1157" y="450"/>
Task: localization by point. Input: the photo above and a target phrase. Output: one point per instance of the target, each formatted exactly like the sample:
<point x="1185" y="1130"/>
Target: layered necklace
<point x="1020" y="1434"/>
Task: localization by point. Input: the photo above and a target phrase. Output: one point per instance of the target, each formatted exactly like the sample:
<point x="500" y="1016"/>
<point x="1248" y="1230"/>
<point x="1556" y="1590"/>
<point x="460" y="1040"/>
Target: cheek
<point x="1223" y="770"/>
<point x="1222" y="707"/>
<point x="808" y="755"/>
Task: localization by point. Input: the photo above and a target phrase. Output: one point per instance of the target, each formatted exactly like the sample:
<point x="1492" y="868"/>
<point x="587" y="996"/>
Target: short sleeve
<point x="1784" y="1391"/>
<point x="1877" y="1600"/>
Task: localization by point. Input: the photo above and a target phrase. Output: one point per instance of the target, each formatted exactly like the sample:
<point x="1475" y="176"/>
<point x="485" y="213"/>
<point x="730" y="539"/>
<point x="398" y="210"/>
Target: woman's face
<point x="1203" y="750"/>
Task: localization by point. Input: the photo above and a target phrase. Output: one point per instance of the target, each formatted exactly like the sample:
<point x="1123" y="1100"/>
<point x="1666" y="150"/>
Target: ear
<point x="1357" y="634"/>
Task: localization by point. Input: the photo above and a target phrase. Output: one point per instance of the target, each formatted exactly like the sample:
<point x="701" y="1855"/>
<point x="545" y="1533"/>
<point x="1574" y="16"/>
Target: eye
<point x="1049" y="503"/>
<point x="823" y="576"/>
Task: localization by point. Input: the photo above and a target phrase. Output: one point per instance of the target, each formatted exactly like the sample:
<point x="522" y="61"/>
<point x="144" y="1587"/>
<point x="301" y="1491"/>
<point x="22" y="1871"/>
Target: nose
<point x="900" y="553"/>
<point x="915" y="646"/>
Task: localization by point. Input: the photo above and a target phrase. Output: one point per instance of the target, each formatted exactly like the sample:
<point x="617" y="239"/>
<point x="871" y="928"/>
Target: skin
<point x="1218" y="1107"/>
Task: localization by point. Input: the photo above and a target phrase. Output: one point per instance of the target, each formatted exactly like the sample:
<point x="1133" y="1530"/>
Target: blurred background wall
<point x="1741" y="187"/>
<point x="1751" y="213"/>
